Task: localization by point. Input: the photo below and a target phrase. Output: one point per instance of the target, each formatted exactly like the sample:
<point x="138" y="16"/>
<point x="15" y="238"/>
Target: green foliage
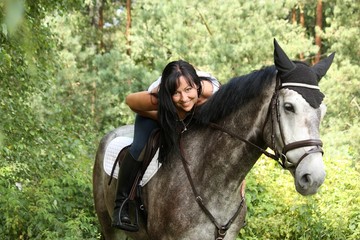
<point x="228" y="39"/>
<point x="56" y="208"/>
<point x="64" y="80"/>
<point x="44" y="195"/>
<point x="343" y="83"/>
<point x="276" y="211"/>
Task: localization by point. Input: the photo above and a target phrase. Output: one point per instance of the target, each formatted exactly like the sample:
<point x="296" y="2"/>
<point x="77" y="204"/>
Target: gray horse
<point x="197" y="194"/>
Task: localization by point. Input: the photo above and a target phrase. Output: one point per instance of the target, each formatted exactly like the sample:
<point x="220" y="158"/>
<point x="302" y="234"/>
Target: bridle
<point x="275" y="117"/>
<point x="274" y="113"/>
<point x="280" y="157"/>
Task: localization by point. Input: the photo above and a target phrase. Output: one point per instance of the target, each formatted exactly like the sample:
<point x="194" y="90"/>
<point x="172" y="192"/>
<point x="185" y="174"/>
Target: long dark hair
<point x="167" y="113"/>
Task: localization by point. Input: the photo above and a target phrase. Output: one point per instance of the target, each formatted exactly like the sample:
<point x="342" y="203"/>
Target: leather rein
<point x="280" y="157"/>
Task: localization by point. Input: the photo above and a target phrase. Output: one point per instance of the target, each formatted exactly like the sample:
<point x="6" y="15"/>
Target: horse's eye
<point x="289" y="107"/>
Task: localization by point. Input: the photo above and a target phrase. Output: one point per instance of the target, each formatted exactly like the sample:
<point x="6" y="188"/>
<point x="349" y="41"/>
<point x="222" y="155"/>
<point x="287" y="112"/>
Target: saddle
<point x="146" y="156"/>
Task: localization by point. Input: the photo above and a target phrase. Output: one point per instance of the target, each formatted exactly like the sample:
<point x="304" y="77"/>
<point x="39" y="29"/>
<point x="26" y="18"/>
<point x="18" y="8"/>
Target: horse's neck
<point x="223" y="159"/>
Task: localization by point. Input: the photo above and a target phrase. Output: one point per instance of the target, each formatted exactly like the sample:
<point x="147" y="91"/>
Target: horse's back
<point x="123" y="131"/>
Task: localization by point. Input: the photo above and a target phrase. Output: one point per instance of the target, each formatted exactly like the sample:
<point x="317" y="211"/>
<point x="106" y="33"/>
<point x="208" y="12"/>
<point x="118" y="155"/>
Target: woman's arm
<point x="143" y="103"/>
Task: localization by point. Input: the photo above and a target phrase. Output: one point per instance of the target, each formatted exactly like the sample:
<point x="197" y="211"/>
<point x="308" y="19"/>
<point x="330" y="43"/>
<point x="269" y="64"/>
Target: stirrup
<point x="130" y="227"/>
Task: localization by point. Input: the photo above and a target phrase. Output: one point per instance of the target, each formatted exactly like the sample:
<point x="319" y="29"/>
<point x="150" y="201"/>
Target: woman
<point x="169" y="104"/>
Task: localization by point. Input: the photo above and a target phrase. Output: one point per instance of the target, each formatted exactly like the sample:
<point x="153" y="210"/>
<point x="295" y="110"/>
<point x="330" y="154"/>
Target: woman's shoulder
<point x="215" y="83"/>
<point x="154" y="84"/>
<point x="205" y="75"/>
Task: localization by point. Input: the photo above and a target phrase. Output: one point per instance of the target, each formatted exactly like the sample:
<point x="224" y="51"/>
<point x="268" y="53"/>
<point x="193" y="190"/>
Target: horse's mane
<point x="234" y="94"/>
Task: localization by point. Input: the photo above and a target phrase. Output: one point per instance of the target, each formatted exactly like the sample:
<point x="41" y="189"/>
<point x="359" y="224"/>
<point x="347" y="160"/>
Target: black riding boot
<point x="127" y="174"/>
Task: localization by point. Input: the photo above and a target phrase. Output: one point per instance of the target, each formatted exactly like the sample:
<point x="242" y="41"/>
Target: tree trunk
<point x="101" y="23"/>
<point x="293" y="16"/>
<point x="128" y="26"/>
<point x="302" y="21"/>
<point x="318" y="29"/>
<point x="98" y="23"/>
<point x="302" y="24"/>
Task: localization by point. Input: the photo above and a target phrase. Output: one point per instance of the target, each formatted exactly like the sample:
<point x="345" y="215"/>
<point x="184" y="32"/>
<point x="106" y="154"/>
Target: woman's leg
<point x="128" y="171"/>
<point x="143" y="128"/>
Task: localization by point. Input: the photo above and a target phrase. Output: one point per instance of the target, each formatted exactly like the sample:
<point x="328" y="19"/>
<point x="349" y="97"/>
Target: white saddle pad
<point x="112" y="151"/>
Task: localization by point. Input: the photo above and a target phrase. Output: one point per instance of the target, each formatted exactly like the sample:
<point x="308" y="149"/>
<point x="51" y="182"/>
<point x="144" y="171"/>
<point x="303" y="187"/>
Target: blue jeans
<point x="143" y="128"/>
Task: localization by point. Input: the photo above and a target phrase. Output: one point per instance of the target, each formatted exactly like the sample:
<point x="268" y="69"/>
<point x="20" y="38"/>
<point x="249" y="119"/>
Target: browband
<point x="299" y="85"/>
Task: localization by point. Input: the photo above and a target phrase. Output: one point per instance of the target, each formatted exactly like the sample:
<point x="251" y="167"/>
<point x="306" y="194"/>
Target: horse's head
<point x="297" y="111"/>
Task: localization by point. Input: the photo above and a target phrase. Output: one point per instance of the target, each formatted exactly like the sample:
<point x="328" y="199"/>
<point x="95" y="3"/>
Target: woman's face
<point x="185" y="97"/>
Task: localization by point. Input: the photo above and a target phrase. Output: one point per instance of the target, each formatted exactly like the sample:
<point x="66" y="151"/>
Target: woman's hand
<point x="207" y="91"/>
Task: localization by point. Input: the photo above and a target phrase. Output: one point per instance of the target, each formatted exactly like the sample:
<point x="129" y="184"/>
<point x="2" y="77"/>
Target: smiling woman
<point x="170" y="100"/>
<point x="185" y="97"/>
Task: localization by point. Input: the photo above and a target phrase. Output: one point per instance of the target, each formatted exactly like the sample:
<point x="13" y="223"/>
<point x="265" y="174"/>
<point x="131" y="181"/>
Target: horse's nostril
<point x="306" y="181"/>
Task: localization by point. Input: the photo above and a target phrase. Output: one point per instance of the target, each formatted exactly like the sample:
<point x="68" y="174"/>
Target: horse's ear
<point x="321" y="67"/>
<point x="282" y="62"/>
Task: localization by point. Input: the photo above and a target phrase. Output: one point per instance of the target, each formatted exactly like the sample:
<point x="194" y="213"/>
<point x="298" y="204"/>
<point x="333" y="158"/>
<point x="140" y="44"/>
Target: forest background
<point x="66" y="66"/>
